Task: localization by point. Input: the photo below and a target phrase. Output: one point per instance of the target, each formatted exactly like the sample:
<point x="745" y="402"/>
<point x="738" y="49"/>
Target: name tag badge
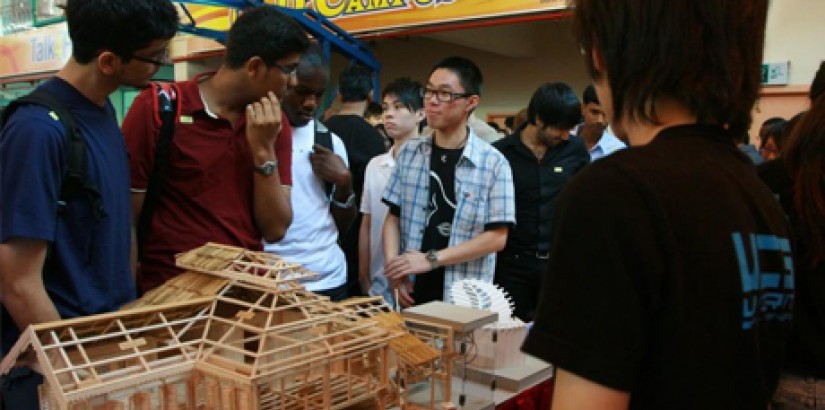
<point x="558" y="170"/>
<point x="186" y="119"/>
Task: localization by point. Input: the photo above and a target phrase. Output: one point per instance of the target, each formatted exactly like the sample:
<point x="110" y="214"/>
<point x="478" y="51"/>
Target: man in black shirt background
<point x="363" y="142"/>
<point x="543" y="156"/>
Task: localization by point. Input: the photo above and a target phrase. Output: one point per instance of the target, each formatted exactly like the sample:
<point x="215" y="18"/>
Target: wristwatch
<point x="432" y="257"/>
<point x="268" y="168"/>
<point x="345" y="205"/>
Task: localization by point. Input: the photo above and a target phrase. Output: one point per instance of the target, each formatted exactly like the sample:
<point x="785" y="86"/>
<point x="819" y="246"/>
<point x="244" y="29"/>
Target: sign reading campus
<point x="360" y="16"/>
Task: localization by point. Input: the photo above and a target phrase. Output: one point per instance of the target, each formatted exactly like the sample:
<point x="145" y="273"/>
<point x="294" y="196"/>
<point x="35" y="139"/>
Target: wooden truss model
<point x="236" y="332"/>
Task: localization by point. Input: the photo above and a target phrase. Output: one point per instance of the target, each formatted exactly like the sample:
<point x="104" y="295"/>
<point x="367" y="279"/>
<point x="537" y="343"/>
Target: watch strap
<point x="344" y="205"/>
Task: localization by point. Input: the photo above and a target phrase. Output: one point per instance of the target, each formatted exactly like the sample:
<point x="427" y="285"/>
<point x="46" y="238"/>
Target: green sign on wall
<point x="775" y="73"/>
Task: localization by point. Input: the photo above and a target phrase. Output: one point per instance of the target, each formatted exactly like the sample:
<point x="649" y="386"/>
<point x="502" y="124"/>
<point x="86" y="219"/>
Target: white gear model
<point x="502" y="350"/>
<point x="485" y="296"/>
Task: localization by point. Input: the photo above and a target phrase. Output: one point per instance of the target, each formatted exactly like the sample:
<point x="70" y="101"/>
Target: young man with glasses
<point x="544" y="157"/>
<point x="229" y="161"/>
<point x="451" y="196"/>
<point x="67" y="258"/>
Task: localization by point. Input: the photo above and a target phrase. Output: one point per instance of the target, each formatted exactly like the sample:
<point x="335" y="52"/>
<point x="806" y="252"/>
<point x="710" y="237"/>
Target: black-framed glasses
<point x="289" y="70"/>
<point x="442" y="95"/>
<point x="163" y="60"/>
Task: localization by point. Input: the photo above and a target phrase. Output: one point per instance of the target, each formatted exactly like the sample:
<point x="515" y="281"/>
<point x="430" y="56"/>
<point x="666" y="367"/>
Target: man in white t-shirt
<point x="403" y="111"/>
<point x="312" y="238"/>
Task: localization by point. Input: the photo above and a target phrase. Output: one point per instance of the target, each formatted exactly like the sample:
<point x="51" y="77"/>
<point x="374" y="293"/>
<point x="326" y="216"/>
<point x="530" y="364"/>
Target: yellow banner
<point x="35" y="51"/>
<point x="364" y="16"/>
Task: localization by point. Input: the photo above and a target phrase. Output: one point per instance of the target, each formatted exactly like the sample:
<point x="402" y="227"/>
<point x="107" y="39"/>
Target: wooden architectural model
<point x="236" y="332"/>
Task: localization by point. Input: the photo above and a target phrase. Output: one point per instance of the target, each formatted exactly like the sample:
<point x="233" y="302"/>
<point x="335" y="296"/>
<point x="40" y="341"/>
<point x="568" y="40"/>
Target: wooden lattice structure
<point x="236" y="332"/>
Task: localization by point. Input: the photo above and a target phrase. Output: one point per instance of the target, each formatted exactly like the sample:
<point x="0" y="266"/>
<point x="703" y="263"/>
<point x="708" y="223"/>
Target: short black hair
<point x="509" y="121"/>
<point x="589" y="95"/>
<point x="119" y="26"/>
<point x="311" y="61"/>
<point x="407" y="91"/>
<point x="704" y="54"/>
<point x="469" y="75"/>
<point x="556" y="105"/>
<point x="780" y="131"/>
<point x="354" y="83"/>
<point x="264" y="32"/>
<point x="772" y="121"/>
<point x="373" y="109"/>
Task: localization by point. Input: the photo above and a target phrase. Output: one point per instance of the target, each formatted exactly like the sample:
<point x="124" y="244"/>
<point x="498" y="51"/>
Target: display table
<point x="536" y="397"/>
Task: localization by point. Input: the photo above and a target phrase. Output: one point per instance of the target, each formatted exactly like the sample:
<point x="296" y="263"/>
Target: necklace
<point x="459" y="146"/>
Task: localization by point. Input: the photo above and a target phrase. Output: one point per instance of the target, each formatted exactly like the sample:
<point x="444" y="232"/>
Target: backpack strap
<point x="166" y="112"/>
<point x="75" y="179"/>
<point x="323" y="137"/>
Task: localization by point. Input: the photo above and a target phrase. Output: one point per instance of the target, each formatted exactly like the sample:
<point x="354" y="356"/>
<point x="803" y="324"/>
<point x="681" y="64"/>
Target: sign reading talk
<point x="363" y="16"/>
<point x="35" y="51"/>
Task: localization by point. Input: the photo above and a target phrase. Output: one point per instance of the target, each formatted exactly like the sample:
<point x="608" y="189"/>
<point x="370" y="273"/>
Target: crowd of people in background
<point x="660" y="266"/>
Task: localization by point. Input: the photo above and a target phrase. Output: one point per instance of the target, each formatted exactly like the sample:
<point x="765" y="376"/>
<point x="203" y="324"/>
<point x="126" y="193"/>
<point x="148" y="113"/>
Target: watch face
<point x="268" y="168"/>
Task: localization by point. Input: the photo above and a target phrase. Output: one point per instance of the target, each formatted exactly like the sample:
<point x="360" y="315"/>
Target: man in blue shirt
<point x="597" y="136"/>
<point x="114" y="43"/>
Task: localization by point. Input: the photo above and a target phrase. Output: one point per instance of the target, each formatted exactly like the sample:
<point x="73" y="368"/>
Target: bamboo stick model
<point x="237" y="331"/>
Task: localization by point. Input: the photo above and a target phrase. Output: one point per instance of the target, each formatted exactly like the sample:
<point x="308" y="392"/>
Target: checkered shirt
<point x="484" y="194"/>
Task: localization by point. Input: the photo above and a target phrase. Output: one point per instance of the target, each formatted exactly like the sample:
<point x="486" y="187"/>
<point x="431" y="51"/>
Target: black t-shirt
<point x="806" y="349"/>
<point x="363" y="142"/>
<point x="670" y="276"/>
<point x="439" y="223"/>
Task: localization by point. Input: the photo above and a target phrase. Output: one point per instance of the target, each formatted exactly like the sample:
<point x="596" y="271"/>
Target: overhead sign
<point x="35" y="51"/>
<point x="776" y="73"/>
<point x="364" y="16"/>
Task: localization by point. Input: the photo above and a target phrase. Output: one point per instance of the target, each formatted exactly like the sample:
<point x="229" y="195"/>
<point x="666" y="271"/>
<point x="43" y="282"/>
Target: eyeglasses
<point x="288" y="70"/>
<point x="163" y="60"/>
<point x="442" y="95"/>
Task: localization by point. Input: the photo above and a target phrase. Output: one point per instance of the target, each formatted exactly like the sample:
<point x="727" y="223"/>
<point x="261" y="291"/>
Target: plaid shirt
<point x="484" y="193"/>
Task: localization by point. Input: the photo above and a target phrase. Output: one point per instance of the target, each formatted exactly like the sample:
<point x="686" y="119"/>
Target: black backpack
<point x="75" y="180"/>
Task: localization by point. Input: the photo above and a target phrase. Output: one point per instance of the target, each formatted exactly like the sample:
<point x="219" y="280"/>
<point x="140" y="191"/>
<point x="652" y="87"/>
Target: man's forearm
<point x="572" y="392"/>
<point x="271" y="206"/>
<point x="391" y="234"/>
<point x="29" y="304"/>
<point x="364" y="253"/>
<point x="488" y="242"/>
<point x="343" y="216"/>
<point x="21" y="282"/>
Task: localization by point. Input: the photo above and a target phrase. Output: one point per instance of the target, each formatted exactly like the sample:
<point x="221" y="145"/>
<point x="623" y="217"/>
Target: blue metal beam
<point x="326" y="32"/>
<point x="313" y="22"/>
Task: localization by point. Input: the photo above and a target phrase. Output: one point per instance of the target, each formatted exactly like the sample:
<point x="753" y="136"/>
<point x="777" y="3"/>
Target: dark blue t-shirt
<point x="92" y="273"/>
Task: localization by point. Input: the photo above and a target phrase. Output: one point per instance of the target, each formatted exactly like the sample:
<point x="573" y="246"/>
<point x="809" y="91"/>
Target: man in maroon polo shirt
<point x="230" y="138"/>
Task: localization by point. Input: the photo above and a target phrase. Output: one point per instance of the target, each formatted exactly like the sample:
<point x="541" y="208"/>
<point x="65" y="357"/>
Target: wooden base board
<point x="514" y="378"/>
<point x="461" y="319"/>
